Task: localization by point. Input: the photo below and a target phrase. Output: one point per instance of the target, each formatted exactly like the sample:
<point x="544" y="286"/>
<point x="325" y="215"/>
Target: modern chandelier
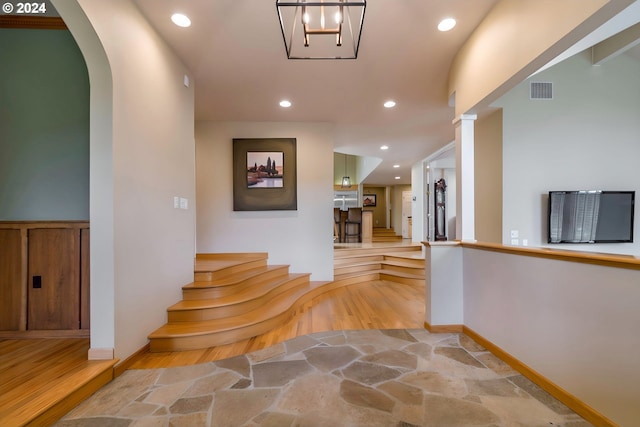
<point x="321" y="29"/>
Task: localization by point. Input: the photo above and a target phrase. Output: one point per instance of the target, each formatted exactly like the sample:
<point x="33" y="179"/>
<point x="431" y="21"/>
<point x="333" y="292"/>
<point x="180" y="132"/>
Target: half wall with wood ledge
<point x="566" y="320"/>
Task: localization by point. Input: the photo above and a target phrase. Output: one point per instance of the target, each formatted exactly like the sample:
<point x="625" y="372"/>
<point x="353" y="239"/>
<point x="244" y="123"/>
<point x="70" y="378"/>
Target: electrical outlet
<point x="514" y="242"/>
<point x="525" y="242"/>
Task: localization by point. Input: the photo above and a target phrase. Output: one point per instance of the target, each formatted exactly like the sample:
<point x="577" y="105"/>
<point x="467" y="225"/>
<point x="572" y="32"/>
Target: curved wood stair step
<point x="350" y="260"/>
<point x="350" y="252"/>
<point x="210" y="333"/>
<point x="219" y="267"/>
<point x="233" y="284"/>
<point x="399" y="277"/>
<point x="403" y="268"/>
<point x="356" y="268"/>
<point x="383" y="274"/>
<point x="383" y="231"/>
<point x="385" y="238"/>
<point x="233" y="305"/>
<point x="406" y="256"/>
<point x="416" y="265"/>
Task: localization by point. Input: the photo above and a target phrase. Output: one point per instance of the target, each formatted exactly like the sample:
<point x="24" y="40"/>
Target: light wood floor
<point x="372" y="305"/>
<point x="42" y="379"/>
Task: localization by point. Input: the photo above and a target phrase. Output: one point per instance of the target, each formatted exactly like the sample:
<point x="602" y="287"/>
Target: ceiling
<point x="236" y="54"/>
<point x="235" y="51"/>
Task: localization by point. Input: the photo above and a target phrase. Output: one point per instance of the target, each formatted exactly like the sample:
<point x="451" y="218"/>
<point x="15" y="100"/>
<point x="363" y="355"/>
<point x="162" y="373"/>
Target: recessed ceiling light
<point x="396" y="166"/>
<point x="389" y="104"/>
<point x="181" y="20"/>
<point x="446" y="24"/>
<point x="285" y="104"/>
<point x="384" y="147"/>
<point x="397" y="177"/>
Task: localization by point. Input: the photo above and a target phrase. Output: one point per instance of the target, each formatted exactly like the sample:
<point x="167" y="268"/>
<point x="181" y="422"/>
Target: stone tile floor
<point x="367" y="378"/>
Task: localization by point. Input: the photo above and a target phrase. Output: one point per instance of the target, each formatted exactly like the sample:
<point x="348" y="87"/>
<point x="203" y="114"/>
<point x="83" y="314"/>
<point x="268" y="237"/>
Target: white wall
<point x="302" y="238"/>
<point x="585" y="138"/>
<point x="576" y="324"/>
<point x="144" y="156"/>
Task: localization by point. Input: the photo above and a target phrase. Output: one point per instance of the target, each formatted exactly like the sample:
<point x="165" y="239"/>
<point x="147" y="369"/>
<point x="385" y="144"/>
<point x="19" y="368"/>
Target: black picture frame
<point x="368" y="200"/>
<point x="252" y="198"/>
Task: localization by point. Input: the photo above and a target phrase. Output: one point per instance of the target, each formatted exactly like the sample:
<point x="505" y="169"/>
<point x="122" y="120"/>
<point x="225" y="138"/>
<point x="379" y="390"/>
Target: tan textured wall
<point x="531" y="33"/>
<point x="379" y="212"/>
<point x="488" y="178"/>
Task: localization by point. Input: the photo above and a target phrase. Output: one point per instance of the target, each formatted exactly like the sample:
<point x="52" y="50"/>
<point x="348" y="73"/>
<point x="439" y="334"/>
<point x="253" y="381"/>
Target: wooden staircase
<point x="233" y="297"/>
<point x="385" y="235"/>
<point x="401" y="264"/>
<point x="238" y="296"/>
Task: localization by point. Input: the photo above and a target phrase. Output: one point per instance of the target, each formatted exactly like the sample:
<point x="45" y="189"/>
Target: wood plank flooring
<point x="370" y="305"/>
<point x="42" y="379"/>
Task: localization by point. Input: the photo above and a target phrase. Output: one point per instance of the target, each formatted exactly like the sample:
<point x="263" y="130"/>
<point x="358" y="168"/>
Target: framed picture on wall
<point x="368" y="200"/>
<point x="264" y="174"/>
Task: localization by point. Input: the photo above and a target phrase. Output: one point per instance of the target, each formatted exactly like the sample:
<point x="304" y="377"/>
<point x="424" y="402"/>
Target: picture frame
<point x="264" y="174"/>
<point x="368" y="200"/>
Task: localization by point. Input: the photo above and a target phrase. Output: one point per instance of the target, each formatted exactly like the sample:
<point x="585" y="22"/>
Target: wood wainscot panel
<point x="85" y="299"/>
<point x="11" y="278"/>
<point x="54" y="279"/>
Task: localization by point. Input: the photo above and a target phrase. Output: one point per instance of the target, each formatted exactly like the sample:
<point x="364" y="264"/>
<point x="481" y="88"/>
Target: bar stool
<point x="336" y="225"/>
<point x="354" y="218"/>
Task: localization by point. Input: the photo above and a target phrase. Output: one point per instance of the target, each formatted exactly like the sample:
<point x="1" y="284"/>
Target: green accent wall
<point x="44" y="126"/>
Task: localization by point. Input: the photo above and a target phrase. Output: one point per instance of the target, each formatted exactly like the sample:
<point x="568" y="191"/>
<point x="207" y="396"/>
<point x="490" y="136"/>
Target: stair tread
<point x="384" y="262"/>
<point x="401" y="274"/>
<point x="242" y="296"/>
<point x="346" y="251"/>
<point x="211" y="265"/>
<point x="204" y="327"/>
<point x="234" y="279"/>
<point x="379" y="271"/>
<point x="354" y="259"/>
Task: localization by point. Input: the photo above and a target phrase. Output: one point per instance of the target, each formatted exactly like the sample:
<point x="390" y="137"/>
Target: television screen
<point x="591" y="216"/>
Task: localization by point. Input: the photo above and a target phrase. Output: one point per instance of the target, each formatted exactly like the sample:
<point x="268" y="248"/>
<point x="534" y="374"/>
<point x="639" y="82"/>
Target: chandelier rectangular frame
<point x="305" y="28"/>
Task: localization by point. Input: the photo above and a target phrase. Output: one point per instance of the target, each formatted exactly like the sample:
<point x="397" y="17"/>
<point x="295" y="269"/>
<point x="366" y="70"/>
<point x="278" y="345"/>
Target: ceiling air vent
<point x="540" y="90"/>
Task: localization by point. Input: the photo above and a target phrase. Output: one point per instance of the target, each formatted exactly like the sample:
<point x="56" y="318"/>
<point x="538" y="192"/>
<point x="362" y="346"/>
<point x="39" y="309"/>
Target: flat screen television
<point x="591" y="216"/>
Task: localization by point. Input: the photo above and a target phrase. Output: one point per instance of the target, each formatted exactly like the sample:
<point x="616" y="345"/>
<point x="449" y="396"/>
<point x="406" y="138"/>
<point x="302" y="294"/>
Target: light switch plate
<point x="184" y="203"/>
<point x="176" y="202"/>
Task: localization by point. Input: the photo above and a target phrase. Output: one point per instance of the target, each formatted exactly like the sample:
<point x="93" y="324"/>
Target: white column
<point x="465" y="200"/>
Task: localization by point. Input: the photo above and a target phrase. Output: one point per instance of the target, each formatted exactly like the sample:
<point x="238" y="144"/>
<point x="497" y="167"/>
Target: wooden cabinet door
<point x="11" y="280"/>
<point x="54" y="279"/>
